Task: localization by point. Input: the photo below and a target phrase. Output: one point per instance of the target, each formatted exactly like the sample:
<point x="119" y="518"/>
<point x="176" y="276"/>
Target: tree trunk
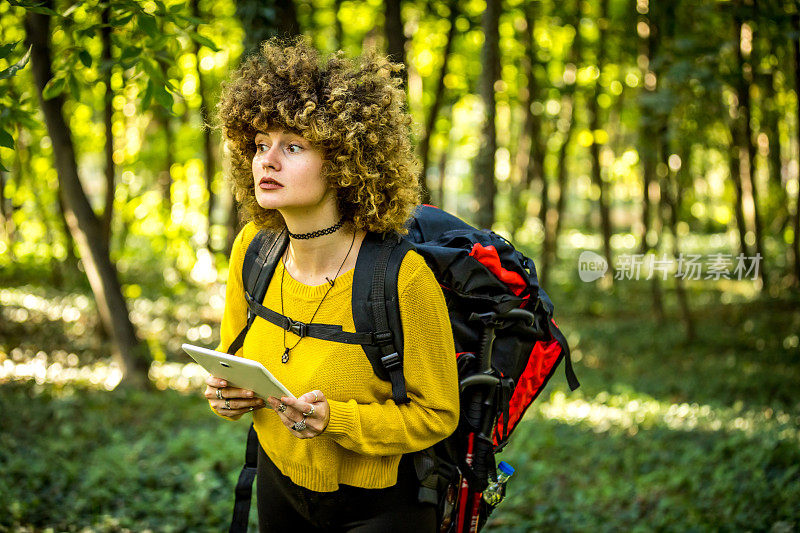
<point x="442" y="178"/>
<point x="7" y="213"/>
<point x="72" y="259"/>
<point x="775" y="186"/>
<point x="671" y="193"/>
<point x="430" y="124"/>
<point x="744" y="140"/>
<point x="594" y="150"/>
<point x="108" y="115"/>
<point x="736" y="177"/>
<point x="553" y="220"/>
<point x="260" y="24"/>
<point x="208" y="146"/>
<point x="484" y="185"/>
<point x="132" y="355"/>
<point x="648" y="175"/>
<point x="337" y="7"/>
<point x="535" y="170"/>
<point x="395" y="36"/>
<point x="531" y="163"/>
<point x="523" y="173"/>
<point x="648" y="47"/>
<point x="796" y="226"/>
<point x="164" y="120"/>
<point x="286" y="18"/>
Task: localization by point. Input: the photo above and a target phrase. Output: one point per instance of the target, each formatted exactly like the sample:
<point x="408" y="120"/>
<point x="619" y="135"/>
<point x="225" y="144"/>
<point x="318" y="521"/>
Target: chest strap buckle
<point x="298" y="328"/>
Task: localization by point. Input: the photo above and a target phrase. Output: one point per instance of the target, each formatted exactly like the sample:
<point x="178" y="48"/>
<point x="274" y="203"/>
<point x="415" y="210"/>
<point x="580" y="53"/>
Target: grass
<point x="123" y="460"/>
<point x="664" y="435"/>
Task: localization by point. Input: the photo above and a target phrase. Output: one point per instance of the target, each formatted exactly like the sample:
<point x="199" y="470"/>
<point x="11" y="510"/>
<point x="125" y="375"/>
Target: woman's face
<point x="287" y="173"/>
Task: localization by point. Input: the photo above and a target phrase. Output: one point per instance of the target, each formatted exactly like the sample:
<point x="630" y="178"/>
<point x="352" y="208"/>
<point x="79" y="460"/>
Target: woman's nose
<point x="270" y="159"/>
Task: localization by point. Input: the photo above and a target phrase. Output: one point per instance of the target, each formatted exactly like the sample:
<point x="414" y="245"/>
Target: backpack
<point x="507" y="347"/>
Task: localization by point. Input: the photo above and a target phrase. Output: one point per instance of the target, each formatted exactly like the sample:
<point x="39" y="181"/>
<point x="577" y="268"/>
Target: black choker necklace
<point x="318" y="233"/>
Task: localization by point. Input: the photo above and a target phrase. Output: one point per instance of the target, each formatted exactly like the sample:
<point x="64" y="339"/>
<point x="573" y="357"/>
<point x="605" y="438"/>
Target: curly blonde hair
<point x="352" y="110"/>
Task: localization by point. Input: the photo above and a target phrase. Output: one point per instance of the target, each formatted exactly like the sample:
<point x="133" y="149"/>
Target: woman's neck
<point x="313" y="261"/>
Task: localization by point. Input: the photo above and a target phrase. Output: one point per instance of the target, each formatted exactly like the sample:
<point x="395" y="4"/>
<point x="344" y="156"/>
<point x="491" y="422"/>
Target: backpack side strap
<point x="376" y="307"/>
<point x="244" y="486"/>
<point x="572" y="379"/>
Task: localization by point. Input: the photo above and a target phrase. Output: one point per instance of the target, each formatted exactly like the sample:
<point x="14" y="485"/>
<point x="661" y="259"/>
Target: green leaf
<point x="29" y="122"/>
<point x="195" y="21"/>
<point x="3" y="167"/>
<point x="123" y="20"/>
<point x="130" y="52"/>
<point x="147" y="98"/>
<point x="147" y="24"/>
<point x="203" y="41"/>
<point x="44" y="11"/>
<point x="53" y="88"/>
<point x="6" y="139"/>
<point x="152" y="69"/>
<point x="10" y="71"/>
<point x="6" y="49"/>
<point x="88" y="33"/>
<point x="163" y="97"/>
<point x="86" y="58"/>
<point x="74" y="87"/>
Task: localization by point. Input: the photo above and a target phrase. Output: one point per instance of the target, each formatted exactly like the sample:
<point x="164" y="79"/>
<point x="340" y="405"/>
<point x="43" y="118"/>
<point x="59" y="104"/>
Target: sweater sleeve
<point x="429" y="367"/>
<point x="234" y="316"/>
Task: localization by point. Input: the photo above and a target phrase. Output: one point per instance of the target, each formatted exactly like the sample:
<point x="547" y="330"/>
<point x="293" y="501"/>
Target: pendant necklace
<point x="287" y="349"/>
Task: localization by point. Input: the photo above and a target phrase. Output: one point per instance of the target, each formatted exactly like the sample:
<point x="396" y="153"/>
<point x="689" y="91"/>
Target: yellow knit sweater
<point x="367" y="432"/>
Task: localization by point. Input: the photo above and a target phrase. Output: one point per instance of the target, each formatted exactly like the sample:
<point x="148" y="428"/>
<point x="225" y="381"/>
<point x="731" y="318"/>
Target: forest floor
<point x="664" y="434"/>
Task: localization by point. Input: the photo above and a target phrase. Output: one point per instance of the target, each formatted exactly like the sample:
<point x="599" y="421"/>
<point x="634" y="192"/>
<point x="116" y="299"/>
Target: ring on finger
<point x="219" y="394"/>
<point x="281" y="408"/>
<point x="227" y="404"/>
<point x="316" y="398"/>
<point x="299" y="426"/>
<point x="310" y="411"/>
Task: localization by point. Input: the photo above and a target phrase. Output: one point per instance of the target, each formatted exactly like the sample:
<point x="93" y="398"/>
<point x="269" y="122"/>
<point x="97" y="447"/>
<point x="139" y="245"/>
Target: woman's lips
<point x="268" y="184"/>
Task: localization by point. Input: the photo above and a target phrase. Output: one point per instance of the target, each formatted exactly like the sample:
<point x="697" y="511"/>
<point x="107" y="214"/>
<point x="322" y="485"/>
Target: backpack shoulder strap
<point x="260" y="260"/>
<point x="376" y="306"/>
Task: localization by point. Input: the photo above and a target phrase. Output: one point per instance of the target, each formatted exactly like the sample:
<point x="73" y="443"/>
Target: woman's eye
<point x="292" y="148"/>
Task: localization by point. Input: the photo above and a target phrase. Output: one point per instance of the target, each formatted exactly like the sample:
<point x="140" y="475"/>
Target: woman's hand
<point x="306" y="416"/>
<point x="230" y="401"/>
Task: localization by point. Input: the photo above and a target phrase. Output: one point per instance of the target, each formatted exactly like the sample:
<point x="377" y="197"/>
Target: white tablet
<point x="238" y="372"/>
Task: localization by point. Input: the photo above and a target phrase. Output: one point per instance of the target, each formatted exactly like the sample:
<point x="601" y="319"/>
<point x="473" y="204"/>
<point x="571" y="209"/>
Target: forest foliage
<point x="655" y="141"/>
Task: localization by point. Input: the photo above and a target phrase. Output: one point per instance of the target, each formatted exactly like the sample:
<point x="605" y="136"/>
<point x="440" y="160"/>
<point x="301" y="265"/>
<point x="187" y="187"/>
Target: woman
<point x="322" y="150"/>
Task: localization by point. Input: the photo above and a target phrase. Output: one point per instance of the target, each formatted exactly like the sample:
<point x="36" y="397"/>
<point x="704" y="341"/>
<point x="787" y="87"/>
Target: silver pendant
<point x="285" y="356"/>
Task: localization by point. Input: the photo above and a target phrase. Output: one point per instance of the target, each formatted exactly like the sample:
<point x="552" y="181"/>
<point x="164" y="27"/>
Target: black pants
<point x="285" y="506"/>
